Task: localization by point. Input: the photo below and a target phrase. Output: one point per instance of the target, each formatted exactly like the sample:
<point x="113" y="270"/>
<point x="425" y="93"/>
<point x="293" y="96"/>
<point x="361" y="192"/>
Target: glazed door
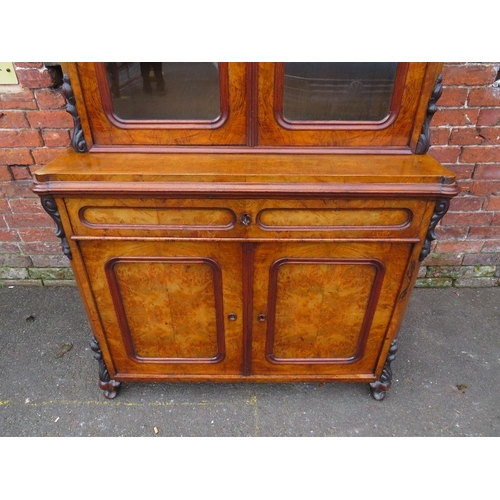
<point x="134" y="105"/>
<point x="168" y="309"/>
<point x="358" y="106"/>
<point x="323" y="309"/>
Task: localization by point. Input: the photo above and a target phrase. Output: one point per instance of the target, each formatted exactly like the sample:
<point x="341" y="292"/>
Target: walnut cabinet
<point x="270" y="231"/>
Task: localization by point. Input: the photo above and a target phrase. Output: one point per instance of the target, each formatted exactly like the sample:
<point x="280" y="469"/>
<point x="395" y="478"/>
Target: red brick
<point x="491" y="135"/>
<point x="466" y="203"/>
<point x="18" y="156"/>
<point x="19" y="172"/>
<point x="28" y="220"/>
<point x="26" y="206"/>
<point x="11" y="248"/>
<point x="466" y="136"/>
<point x="8" y="235"/>
<point x="489" y="117"/>
<point x="445" y="154"/>
<point x="486" y="259"/>
<point x="492" y="203"/>
<point x="440" y="135"/>
<point x="50" y="99"/>
<point x="487" y="171"/>
<point x="34" y="235"/>
<point x="34" y="78"/>
<point x="4" y="206"/>
<point x="461" y="170"/>
<point x="50" y="119"/>
<point x="28" y="65"/>
<point x="484" y="188"/>
<point x="458" y="246"/>
<point x="496" y="220"/>
<point x="474" y="154"/>
<point x="5" y="174"/>
<point x="492" y="246"/>
<point x="484" y="233"/>
<point x="467" y="219"/>
<point x="18" y="100"/>
<point x="468" y="74"/>
<point x="20" y="138"/>
<point x="453" y="96"/>
<point x="455" y="117"/>
<point x="13" y="119"/>
<point x="44" y="155"/>
<point x="19" y="189"/>
<point x="451" y="232"/>
<point x="56" y="138"/>
<point x="444" y="259"/>
<point x="3" y="224"/>
<point x="41" y="248"/>
<point x="489" y="96"/>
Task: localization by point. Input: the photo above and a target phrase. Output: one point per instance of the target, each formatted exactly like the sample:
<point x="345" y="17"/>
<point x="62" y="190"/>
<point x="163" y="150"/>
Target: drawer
<point x="156" y="218"/>
<point x="335" y="218"/>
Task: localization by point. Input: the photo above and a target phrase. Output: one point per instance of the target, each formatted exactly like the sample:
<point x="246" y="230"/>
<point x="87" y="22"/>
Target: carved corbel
<point x="77" y="139"/>
<point x="440" y="209"/>
<point x="106" y="383"/>
<point x="49" y="205"/>
<point x="424" y="141"/>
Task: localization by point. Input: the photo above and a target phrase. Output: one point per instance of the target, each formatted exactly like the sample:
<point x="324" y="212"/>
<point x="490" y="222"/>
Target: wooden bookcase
<point x="270" y="232"/>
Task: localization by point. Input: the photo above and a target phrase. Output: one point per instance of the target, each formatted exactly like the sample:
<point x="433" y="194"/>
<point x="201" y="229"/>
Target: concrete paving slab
<point x="446" y="379"/>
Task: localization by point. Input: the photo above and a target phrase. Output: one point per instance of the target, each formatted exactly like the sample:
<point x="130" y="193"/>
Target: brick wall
<point x="34" y="128"/>
<point x="465" y="136"/>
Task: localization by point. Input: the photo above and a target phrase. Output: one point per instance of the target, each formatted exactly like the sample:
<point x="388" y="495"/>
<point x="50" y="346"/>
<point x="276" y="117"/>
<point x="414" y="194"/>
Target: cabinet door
<point x="168" y="309"/>
<point x="363" y="106"/>
<point x="323" y="309"/>
<point x="144" y="105"/>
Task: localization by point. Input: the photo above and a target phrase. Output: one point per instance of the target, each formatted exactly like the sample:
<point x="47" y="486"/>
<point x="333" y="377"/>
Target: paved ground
<point x="446" y="379"/>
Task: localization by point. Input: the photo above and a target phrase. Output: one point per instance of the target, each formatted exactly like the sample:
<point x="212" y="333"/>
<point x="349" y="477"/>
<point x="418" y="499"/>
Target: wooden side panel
<point x="324" y="308"/>
<point x="165" y="306"/>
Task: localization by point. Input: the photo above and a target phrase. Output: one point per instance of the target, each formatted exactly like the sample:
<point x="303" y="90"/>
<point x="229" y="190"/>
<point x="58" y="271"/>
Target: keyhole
<point x="261" y="318"/>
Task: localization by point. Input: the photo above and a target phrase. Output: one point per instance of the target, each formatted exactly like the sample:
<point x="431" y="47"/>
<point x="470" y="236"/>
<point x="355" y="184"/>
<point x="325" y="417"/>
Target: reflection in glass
<point x="332" y="91"/>
<point x="164" y="91"/>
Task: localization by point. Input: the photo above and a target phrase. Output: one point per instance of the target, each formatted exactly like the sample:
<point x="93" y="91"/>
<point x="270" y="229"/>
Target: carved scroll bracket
<point x="49" y="204"/>
<point x="77" y="140"/>
<point x="440" y="209"/>
<point x="106" y="383"/>
<point x="424" y="141"/>
<point x="380" y="387"/>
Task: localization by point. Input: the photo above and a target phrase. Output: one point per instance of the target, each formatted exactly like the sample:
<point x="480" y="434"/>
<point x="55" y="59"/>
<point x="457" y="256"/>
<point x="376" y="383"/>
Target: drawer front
<point x="372" y="219"/>
<point x="156" y="218"/>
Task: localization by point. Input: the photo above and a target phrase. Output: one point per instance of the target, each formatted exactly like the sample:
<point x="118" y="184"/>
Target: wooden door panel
<point x="326" y="306"/>
<point x="165" y="306"/>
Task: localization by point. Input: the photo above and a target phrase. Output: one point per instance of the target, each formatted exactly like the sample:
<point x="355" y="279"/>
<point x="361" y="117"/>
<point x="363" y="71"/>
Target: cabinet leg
<point x="380" y="387"/>
<point x="106" y="383"/>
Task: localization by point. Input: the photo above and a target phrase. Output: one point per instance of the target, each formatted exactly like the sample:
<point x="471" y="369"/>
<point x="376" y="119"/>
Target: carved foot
<point x="380" y="387"/>
<point x="106" y="383"/>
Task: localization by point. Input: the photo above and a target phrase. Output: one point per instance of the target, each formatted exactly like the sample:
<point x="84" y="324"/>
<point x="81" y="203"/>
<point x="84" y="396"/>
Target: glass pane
<point x="164" y="90"/>
<point x="333" y="91"/>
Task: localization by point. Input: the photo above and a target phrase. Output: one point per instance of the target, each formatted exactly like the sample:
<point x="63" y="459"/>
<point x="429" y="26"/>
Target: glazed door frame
<point x="104" y="131"/>
<point x="397" y="132"/>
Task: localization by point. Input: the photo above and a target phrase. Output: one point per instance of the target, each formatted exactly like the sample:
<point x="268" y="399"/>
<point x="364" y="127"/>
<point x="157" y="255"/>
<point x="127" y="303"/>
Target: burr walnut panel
<point x="181" y="297"/>
<point x="312" y="318"/>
